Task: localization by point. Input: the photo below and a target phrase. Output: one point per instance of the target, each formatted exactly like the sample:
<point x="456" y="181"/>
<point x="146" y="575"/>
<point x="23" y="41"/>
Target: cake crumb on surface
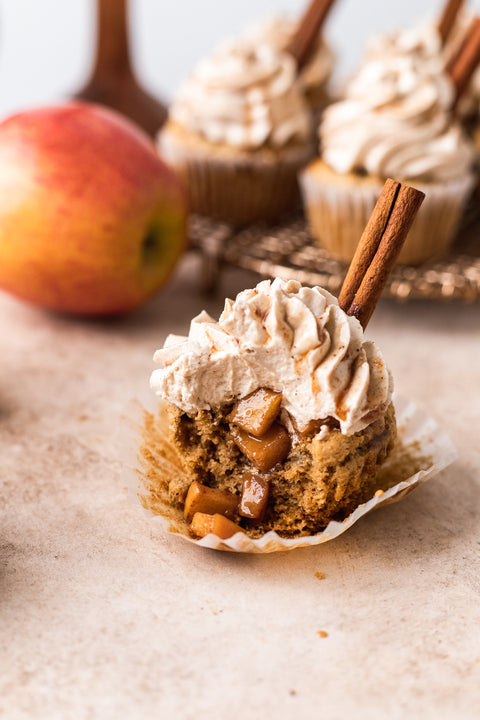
<point x="319" y="575"/>
<point x="322" y="633"/>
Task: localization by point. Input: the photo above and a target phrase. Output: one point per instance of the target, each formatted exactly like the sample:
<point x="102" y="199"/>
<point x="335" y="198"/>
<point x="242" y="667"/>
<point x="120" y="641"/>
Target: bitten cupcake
<point x="395" y="121"/>
<point x="280" y="413"/>
<point x="314" y="77"/>
<point x="239" y="130"/>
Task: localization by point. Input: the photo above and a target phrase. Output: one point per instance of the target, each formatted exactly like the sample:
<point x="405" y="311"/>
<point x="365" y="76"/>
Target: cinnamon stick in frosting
<point x="378" y="249"/>
<point x="465" y="61"/>
<point x="448" y="18"/>
<point x="309" y="26"/>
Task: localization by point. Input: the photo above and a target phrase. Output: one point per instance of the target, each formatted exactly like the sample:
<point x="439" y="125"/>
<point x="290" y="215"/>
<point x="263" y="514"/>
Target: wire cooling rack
<point x="287" y="250"/>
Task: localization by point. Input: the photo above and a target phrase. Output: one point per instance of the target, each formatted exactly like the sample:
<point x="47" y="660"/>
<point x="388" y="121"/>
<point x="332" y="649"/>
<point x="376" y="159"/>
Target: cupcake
<point x="281" y="413"/>
<point x="395" y="121"/>
<point x="239" y="130"/>
<point x="314" y="76"/>
<point x="425" y="41"/>
<point x="422" y="40"/>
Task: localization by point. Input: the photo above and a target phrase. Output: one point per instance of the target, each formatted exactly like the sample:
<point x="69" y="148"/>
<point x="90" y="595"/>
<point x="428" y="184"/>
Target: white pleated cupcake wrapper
<point x="338" y="213"/>
<point x="420" y="438"/>
<point x="234" y="186"/>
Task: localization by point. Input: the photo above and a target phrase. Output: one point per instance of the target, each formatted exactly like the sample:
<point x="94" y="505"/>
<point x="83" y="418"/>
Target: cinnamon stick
<point x="379" y="248"/>
<point x="465" y="61"/>
<point x="369" y="242"/>
<point x="309" y="26"/>
<point x="448" y="17"/>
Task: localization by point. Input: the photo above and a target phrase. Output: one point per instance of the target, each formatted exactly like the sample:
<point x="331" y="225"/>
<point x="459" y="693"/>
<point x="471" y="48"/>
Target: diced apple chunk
<point x="254" y="497"/>
<point x="310" y="430"/>
<point x="256" y="412"/>
<point x="203" y="499"/>
<point x="202" y="524"/>
<point x="267" y="451"/>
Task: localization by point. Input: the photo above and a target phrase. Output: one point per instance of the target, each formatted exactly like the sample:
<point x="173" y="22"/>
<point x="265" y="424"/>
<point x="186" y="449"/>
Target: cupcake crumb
<point x="379" y="493"/>
<point x="319" y="575"/>
<point x="322" y="633"/>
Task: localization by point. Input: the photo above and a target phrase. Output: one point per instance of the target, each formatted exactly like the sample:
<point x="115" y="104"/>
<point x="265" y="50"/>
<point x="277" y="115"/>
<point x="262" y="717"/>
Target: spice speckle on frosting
<point x="305" y="347"/>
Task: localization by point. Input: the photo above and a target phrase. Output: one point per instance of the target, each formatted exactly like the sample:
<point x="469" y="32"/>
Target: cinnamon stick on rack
<point x="465" y="61"/>
<point x="378" y="249"/>
<point x="311" y="22"/>
<point x="448" y="17"/>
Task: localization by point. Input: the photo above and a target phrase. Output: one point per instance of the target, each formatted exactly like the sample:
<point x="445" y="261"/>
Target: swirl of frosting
<point x="277" y="31"/>
<point x="245" y="97"/>
<point x="421" y="41"/>
<point x="280" y="335"/>
<point x="395" y="121"/>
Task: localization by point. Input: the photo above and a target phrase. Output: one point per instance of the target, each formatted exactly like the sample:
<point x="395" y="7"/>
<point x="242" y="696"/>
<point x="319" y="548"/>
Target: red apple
<point x="91" y="220"/>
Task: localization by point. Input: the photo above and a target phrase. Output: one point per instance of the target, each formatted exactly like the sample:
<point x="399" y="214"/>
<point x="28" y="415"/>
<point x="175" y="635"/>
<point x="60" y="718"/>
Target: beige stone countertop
<point x="103" y="615"/>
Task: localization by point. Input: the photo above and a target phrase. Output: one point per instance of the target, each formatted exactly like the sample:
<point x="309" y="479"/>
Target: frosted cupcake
<point x="314" y="77"/>
<point x="281" y="413"/>
<point x="424" y="40"/>
<point x="239" y="130"/>
<point x="395" y="121"/>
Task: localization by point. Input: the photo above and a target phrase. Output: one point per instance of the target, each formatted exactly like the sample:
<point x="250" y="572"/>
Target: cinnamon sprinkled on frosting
<point x="246" y="97"/>
<point x="277" y="32"/>
<point x="395" y="121"/>
<point x="292" y="339"/>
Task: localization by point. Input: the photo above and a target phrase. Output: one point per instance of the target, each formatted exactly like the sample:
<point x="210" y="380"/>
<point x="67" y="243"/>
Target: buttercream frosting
<point x="395" y="121"/>
<point x="423" y="40"/>
<point x="246" y="97"/>
<point x="277" y="31"/>
<point x="280" y="335"/>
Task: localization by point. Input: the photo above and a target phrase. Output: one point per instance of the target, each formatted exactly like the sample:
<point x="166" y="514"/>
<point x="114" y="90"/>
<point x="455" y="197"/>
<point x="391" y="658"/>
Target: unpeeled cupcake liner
<point x="339" y="207"/>
<point x="236" y="187"/>
<point x="421" y="452"/>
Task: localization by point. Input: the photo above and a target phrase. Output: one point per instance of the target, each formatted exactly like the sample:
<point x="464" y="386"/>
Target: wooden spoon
<point x="113" y="82"/>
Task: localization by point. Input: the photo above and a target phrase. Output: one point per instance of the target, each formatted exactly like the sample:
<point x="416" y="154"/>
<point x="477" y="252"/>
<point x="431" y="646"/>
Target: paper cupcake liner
<point x="421" y="452"/>
<point x="338" y="210"/>
<point x="235" y="187"/>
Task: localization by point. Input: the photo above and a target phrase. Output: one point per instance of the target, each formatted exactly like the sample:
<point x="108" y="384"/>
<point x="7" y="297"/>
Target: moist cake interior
<point x="325" y="475"/>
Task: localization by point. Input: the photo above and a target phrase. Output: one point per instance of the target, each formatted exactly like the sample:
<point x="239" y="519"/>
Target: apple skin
<point x="92" y="221"/>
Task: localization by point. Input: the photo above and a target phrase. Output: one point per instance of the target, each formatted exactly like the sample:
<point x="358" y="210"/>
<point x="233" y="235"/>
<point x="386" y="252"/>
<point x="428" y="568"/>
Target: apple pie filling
<point x="249" y="469"/>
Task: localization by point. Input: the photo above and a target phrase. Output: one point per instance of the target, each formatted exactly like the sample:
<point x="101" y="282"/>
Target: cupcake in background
<point x="395" y="121"/>
<point x="434" y="39"/>
<point x="314" y="77"/>
<point x="239" y="130"/>
<point x="422" y="40"/>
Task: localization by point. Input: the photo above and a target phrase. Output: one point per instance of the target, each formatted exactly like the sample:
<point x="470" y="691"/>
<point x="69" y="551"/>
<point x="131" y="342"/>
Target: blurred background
<point x="46" y="46"/>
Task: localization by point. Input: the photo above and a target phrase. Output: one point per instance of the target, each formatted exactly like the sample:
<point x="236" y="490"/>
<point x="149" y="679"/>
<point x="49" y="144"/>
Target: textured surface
<point x="104" y="616"/>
